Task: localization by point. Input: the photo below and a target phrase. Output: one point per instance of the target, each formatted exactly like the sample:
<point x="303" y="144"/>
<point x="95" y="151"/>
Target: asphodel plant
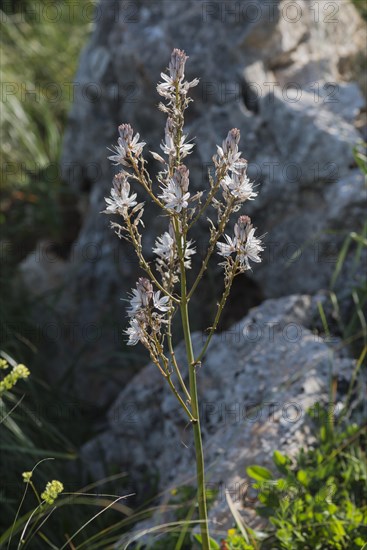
<point x="163" y="290"/>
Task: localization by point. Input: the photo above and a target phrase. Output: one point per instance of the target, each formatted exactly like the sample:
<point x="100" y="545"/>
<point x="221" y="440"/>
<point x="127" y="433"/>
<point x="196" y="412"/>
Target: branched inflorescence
<point x="163" y="290"/>
<point x="181" y="207"/>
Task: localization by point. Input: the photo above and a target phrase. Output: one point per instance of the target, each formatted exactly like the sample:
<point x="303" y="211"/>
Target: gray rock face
<point x="276" y="72"/>
<point x="256" y="384"/>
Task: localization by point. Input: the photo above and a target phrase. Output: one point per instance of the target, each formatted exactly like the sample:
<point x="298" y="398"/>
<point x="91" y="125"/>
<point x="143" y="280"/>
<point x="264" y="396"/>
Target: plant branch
<point x="213" y="241"/>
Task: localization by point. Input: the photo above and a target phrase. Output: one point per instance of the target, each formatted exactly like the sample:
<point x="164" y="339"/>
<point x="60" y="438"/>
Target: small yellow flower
<point x="52" y="491"/>
<point x="3" y="364"/>
<point x="27" y="476"/>
<point x="231" y="532"/>
<point x="18" y="372"/>
<point x="21" y="371"/>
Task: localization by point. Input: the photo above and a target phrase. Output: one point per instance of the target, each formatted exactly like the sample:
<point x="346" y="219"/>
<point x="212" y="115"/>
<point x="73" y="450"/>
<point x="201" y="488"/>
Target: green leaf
<point x="213" y="544"/>
<point x="281" y="461"/>
<point x="259" y="473"/>
<point x="303" y="478"/>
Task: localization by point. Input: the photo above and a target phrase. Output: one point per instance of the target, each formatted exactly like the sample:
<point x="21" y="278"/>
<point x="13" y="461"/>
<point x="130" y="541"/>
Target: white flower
<point x="160" y="303"/>
<point x="185" y="148"/>
<point x="166" y="250"/>
<point x="176" y="76"/>
<point x="169" y="148"/>
<point x="189" y="251"/>
<point x="229" y="154"/>
<point x="167" y="88"/>
<point x="226" y="249"/>
<point x="238" y="184"/>
<point x="119" y="155"/>
<point x="165" y="247"/>
<point x="244" y="243"/>
<point x="143" y="299"/>
<point x="135" y="333"/>
<point x="168" y="145"/>
<point x="175" y="195"/>
<point x="187" y="85"/>
<point x="120" y="200"/>
<point x="251" y="249"/>
<point x="126" y="144"/>
<point x="140" y="297"/>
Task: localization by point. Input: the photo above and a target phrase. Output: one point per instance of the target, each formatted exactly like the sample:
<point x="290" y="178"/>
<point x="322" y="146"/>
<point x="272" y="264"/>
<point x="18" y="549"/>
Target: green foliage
<point x="39" y="51"/>
<point x="319" y="502"/>
<point x="235" y="541"/>
<point x="39" y="48"/>
<point x="63" y="511"/>
<point x="213" y="544"/>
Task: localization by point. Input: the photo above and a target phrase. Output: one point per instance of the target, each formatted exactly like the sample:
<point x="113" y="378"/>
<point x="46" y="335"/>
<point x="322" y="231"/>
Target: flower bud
<point x="181" y="177"/>
<point x="126" y="133"/>
<point x="145" y="289"/>
<point x="232" y="140"/>
<point x="177" y="64"/>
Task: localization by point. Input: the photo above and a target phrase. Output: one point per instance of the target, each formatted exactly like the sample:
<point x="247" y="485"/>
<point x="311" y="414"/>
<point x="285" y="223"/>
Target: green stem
<point x="213" y="191"/>
<point x="212" y="243"/>
<point x="200" y="473"/>
<point x="135" y="239"/>
<point x="174" y="361"/>
<point x="167" y="375"/>
<point x="221" y="305"/>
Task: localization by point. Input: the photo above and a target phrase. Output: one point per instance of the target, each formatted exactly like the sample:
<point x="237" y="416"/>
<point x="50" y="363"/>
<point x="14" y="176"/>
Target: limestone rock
<point x="256" y="384"/>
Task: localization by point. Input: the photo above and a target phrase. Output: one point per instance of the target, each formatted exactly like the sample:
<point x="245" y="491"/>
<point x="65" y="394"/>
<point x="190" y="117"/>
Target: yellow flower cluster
<point x="9" y="381"/>
<point x="52" y="491"/>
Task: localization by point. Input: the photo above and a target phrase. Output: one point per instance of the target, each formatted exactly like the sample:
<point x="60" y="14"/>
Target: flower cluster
<point x="155" y="298"/>
<point x="127" y="146"/>
<point x="17" y="373"/>
<point x="231" y="171"/>
<point x="145" y="322"/>
<point x="175" y="194"/>
<point x="228" y="155"/>
<point x="52" y="491"/>
<point x="237" y="184"/>
<point x="173" y="144"/>
<point x="127" y="154"/>
<point x="175" y="83"/>
<point x="167" y="261"/>
<point x="120" y="200"/>
<point x="244" y="244"/>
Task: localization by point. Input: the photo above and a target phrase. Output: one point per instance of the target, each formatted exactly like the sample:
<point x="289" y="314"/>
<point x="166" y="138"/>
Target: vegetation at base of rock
<point x="39" y="48"/>
<point x="319" y="502"/>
